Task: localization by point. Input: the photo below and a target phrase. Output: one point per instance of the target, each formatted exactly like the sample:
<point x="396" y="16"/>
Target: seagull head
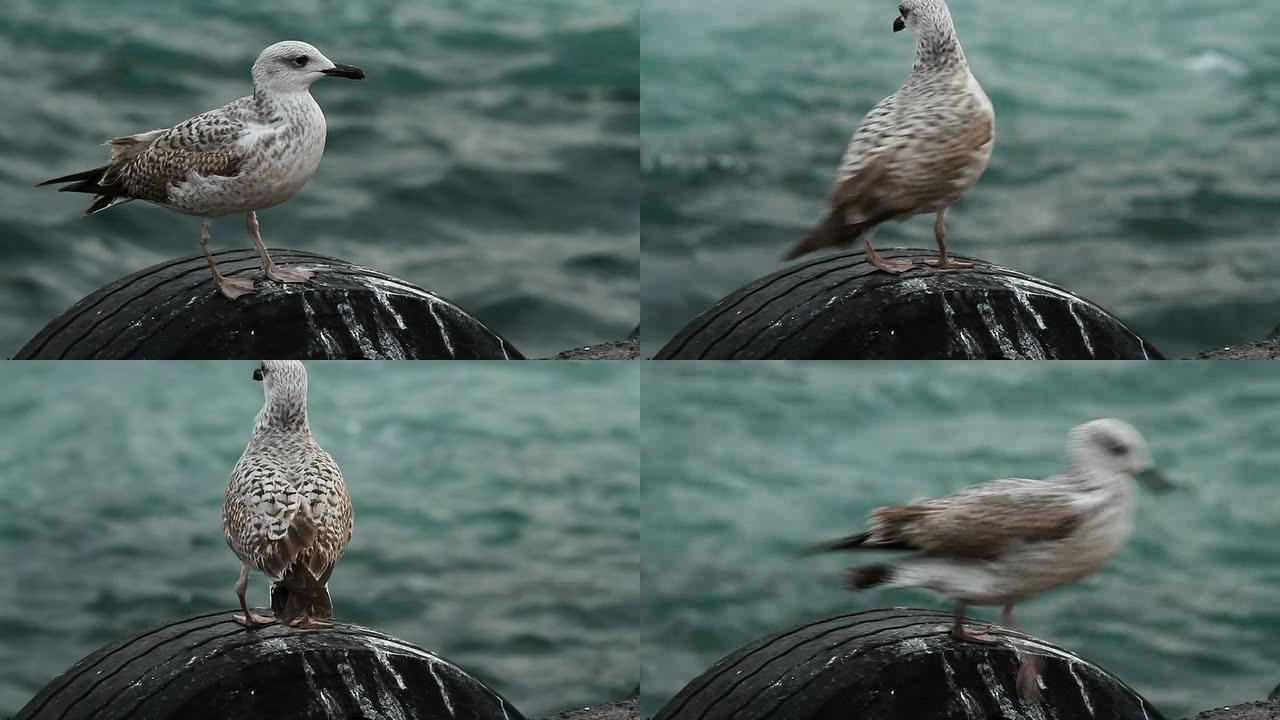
<point x="284" y="382"/>
<point x="291" y="66"/>
<point x="920" y="15"/>
<point x="282" y="377"/>
<point x="1115" y="447"/>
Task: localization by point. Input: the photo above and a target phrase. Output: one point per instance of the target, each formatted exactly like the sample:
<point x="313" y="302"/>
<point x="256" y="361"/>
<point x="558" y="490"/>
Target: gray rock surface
<point x="1268" y="349"/>
<point x="620" y="350"/>
<point x="1263" y="350"/>
<point x="624" y="710"/>
<point x="1266" y="710"/>
<point x="628" y="349"/>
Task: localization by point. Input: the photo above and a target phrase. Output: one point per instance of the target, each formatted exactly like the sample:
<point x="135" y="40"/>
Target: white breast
<point x="282" y="157"/>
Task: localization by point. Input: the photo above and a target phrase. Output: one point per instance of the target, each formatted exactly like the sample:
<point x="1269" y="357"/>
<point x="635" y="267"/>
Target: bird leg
<point x="274" y="272"/>
<point x="1028" y="678"/>
<point x="1006" y="617"/>
<point x="940" y="234"/>
<point x="893" y="267"/>
<point x="230" y="287"/>
<point x="959" y="633"/>
<point x="250" y="619"/>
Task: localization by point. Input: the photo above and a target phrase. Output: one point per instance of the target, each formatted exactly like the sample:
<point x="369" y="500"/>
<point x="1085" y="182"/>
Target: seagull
<point x="287" y="512"/>
<point x="251" y="154"/>
<point x="917" y="151"/>
<point x="1004" y="541"/>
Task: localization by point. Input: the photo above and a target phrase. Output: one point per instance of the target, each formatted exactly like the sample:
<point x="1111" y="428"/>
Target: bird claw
<point x="893" y="267"/>
<point x="288" y="275"/>
<point x="252" y="620"/>
<point x="306" y="622"/>
<point x="971" y="636"/>
<point x="233" y="287"/>
<point x="948" y="265"/>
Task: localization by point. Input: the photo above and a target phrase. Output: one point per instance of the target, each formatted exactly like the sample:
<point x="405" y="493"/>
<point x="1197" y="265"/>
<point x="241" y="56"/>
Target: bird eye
<point x="902" y="10"/>
<point x="1114" y="446"/>
<point x="300" y="61"/>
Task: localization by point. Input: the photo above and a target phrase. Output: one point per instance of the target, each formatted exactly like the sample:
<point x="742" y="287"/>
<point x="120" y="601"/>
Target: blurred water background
<point x="491" y="156"/>
<point x="1134" y="161"/>
<point x="497" y="512"/>
<point x="745" y="464"/>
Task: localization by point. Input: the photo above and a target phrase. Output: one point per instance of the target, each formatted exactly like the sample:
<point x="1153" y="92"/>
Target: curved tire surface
<point x="840" y="307"/>
<point x="899" y="664"/>
<point x="172" y="311"/>
<point x="209" y="668"/>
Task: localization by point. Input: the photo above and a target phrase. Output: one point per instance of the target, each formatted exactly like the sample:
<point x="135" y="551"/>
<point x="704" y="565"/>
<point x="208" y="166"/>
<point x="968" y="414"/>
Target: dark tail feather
<point x="90" y="181"/>
<point x="102" y="202"/>
<point x="861" y="541"/>
<point x="867" y="576"/>
<point x="322" y="605"/>
<point x="84" y="179"/>
<point x="300" y="593"/>
<point x="289" y="604"/>
<point x="831" y="233"/>
<point x="302" y="589"/>
<point x="852" y="542"/>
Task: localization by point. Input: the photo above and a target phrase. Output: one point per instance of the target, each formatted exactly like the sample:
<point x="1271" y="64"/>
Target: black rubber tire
<point x="209" y="668"/>
<point x="171" y="311"/>
<point x="840" y="307"/>
<point x="899" y="664"/>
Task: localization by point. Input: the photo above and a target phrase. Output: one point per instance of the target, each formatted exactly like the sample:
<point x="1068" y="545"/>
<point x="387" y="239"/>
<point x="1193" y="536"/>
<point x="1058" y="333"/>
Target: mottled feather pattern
<point x="287" y="510"/>
<point x="204" y="165"/>
<point x="276" y="474"/>
<point x="918" y="150"/>
<point x="1005" y="540"/>
<point x="1012" y="510"/>
<point x="935" y="136"/>
<point x="147" y="164"/>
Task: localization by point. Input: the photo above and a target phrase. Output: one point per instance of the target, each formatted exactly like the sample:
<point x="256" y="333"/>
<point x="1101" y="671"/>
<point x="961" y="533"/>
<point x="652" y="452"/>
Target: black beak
<point x="257" y="375"/>
<point x="899" y="24"/>
<point x="346" y="71"/>
<point x="1155" y="481"/>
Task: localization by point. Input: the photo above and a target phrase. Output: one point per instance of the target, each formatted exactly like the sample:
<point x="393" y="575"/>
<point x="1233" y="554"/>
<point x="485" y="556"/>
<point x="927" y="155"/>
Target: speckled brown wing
<point x="933" y="170"/>
<point x="864" y="197"/>
<point x="302" y="588"/>
<point x="978" y="522"/>
<point x="153" y="172"/>
<point x="263" y="518"/>
<point x="326" y="490"/>
<point x="146" y="165"/>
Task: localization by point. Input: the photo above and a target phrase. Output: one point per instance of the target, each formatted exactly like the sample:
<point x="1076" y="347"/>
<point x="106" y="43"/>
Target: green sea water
<point x="497" y="512"/>
<point x="745" y="464"/>
<point x="1135" y="157"/>
<point x="491" y="156"/>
